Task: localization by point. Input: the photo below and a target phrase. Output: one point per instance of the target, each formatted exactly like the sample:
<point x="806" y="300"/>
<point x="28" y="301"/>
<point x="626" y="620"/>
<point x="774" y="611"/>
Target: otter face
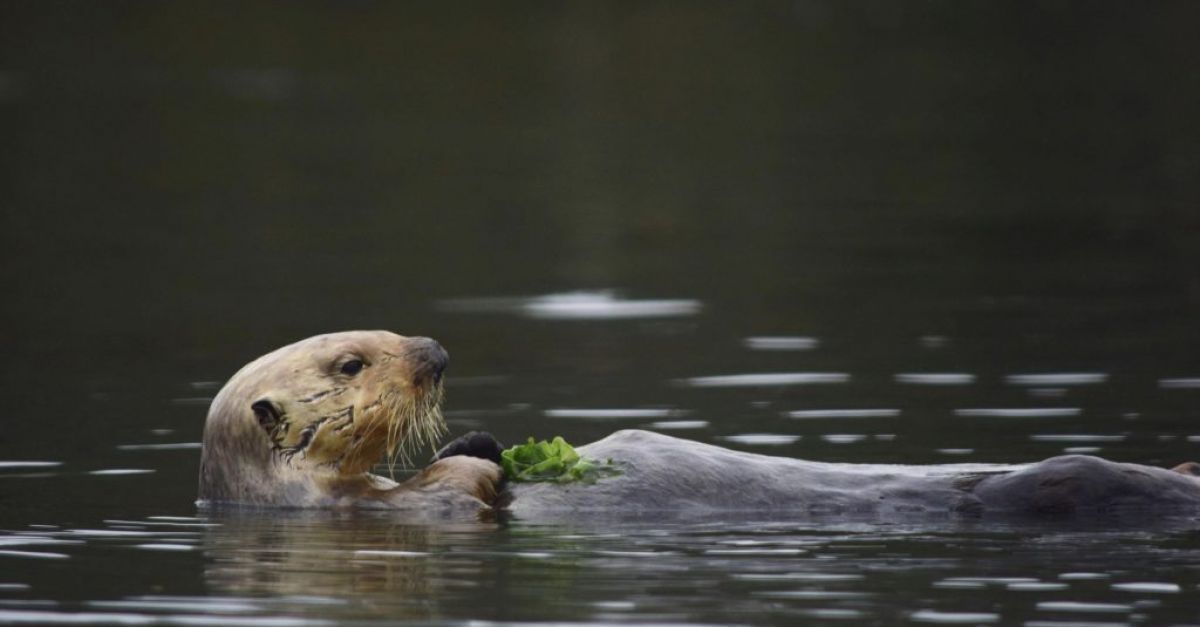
<point x="347" y="400"/>
<point x="336" y="402"/>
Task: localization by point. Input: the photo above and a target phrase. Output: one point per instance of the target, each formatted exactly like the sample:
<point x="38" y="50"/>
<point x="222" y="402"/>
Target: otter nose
<point x="429" y="359"/>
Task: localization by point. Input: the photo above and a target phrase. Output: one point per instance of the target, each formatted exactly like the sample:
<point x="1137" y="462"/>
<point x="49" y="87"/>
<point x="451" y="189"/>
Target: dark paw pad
<point x="479" y="444"/>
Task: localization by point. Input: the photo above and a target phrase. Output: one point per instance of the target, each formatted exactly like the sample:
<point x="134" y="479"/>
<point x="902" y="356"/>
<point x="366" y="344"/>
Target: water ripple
<point x="843" y="413"/>
<point x="43" y="555"/>
<point x="668" y="425"/>
<point x="385" y="553"/>
<point x="35" y="617"/>
<point x="1037" y="586"/>
<point x="168" y="446"/>
<point x="610" y="414"/>
<point x="1075" y="437"/>
<point x="781" y="343"/>
<point x="1083" y="576"/>
<point x="768" y="439"/>
<point x="1147" y="586"/>
<point x="1084" y="607"/>
<point x="935" y="378"/>
<point x="953" y="618"/>
<point x="843" y="438"/>
<point x="163" y="546"/>
<point x="767" y="379"/>
<point x="27" y="464"/>
<point x="215" y="605"/>
<point x="1021" y="412"/>
<point x="1054" y="379"/>
<point x="583" y="305"/>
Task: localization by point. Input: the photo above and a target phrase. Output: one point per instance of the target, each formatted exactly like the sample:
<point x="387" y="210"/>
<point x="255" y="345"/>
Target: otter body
<point x="303" y="425"/>
<point x="662" y="473"/>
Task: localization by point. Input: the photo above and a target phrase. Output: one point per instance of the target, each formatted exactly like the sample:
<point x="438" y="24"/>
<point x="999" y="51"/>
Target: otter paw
<point x="479" y="444"/>
<point x="480" y="478"/>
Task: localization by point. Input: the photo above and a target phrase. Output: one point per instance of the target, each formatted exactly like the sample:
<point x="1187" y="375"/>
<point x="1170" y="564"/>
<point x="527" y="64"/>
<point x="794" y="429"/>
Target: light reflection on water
<point x="602" y="305"/>
<point x="782" y="343"/>
<point x="1058" y="379"/>
<point x="935" y="378"/>
<point x="603" y="414"/>
<point x="768" y="379"/>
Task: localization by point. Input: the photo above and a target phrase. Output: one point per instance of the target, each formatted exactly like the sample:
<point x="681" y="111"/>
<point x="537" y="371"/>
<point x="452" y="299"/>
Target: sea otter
<point x="302" y="427"/>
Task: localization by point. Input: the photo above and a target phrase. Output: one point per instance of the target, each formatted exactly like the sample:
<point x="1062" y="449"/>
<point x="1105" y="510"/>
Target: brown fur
<point x="293" y="429"/>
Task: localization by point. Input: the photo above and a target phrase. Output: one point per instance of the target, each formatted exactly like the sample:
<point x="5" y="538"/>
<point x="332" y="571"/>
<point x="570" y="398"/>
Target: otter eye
<point x="352" y="367"/>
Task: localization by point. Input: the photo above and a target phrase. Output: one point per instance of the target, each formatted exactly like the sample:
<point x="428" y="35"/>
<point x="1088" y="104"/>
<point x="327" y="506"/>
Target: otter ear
<point x="267" y="414"/>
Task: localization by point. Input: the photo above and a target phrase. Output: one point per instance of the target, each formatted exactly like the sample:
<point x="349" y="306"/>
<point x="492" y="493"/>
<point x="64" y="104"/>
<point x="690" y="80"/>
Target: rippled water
<point x="867" y="232"/>
<point x="319" y="568"/>
<point x="109" y="535"/>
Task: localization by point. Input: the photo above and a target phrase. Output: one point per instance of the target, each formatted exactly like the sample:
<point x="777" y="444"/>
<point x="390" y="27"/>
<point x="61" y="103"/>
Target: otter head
<point x="322" y="409"/>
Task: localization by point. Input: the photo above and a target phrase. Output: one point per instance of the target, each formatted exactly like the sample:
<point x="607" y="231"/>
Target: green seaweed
<point x="554" y="461"/>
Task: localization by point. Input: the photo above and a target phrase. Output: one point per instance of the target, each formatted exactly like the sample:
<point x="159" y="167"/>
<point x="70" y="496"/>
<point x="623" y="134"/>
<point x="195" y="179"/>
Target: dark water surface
<point x="870" y="232"/>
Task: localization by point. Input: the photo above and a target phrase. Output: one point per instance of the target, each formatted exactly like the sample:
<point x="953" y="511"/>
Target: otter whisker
<point x="364" y="444"/>
<point x="414" y="424"/>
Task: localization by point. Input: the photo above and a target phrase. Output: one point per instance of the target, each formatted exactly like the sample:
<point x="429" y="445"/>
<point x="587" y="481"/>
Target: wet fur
<point x="326" y="429"/>
<point x="392" y="408"/>
<point x="665" y="474"/>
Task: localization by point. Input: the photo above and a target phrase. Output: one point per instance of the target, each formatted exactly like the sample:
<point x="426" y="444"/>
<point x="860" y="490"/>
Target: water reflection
<point x="672" y="425"/>
<point x="164" y="446"/>
<point x="1075" y="437"/>
<point x="604" y="414"/>
<point x="1179" y="383"/>
<point x="767" y="379"/>
<point x="1057" y="379"/>
<point x="807" y="414"/>
<point x="844" y="438"/>
<point x="761" y="439"/>
<point x="601" y="305"/>
<point x="781" y="343"/>
<point x="1019" y="412"/>
<point x="935" y="378"/>
<point x="954" y="618"/>
<point x="284" y="568"/>
<point x="411" y="569"/>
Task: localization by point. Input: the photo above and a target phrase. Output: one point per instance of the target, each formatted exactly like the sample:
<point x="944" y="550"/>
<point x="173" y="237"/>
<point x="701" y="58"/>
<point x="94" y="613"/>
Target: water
<point x="869" y="233"/>
<point x="320" y="568"/>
